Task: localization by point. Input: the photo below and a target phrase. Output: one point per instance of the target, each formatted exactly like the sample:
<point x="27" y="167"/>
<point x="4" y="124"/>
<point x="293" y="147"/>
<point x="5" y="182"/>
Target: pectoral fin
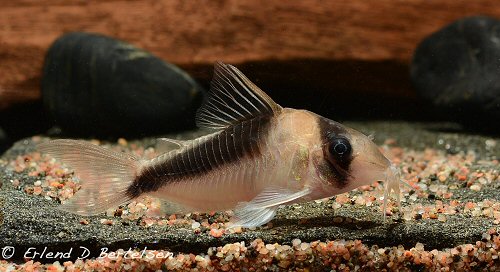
<point x="263" y="207"/>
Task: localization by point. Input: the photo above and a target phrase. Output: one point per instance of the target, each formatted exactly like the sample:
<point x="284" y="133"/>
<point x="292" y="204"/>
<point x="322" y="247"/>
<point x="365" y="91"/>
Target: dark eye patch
<point x="338" y="153"/>
<point x="340" y="149"/>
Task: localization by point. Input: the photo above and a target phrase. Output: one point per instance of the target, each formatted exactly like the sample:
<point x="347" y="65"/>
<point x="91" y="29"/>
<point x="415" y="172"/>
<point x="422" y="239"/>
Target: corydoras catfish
<point x="259" y="156"/>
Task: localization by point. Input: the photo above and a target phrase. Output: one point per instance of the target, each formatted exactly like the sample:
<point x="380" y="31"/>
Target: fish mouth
<point x="392" y="177"/>
<point x="379" y="169"/>
<point x="378" y="164"/>
<point x="392" y="184"/>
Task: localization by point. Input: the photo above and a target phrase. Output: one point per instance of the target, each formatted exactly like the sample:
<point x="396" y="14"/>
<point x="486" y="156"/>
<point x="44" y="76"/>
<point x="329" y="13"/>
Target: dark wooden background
<point x="359" y="45"/>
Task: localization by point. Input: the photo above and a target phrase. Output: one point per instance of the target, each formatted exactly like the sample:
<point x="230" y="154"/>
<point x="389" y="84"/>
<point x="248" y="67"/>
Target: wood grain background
<point x="338" y="45"/>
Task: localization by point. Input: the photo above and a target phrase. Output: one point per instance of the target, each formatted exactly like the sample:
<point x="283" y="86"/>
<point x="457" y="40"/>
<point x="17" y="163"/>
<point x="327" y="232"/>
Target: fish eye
<point x="340" y="148"/>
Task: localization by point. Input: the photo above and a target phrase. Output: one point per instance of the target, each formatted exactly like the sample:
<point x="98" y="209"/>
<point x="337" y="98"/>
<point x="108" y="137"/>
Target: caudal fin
<point x="105" y="174"/>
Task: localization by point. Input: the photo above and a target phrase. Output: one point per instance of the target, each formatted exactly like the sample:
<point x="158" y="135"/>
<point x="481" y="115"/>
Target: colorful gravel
<point x="336" y="255"/>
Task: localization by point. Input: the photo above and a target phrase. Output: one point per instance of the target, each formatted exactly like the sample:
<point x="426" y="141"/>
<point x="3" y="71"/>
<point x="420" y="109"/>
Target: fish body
<point x="259" y="156"/>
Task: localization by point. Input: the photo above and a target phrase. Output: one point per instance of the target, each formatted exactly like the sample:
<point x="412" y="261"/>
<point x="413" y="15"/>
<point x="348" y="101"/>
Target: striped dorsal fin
<point x="232" y="99"/>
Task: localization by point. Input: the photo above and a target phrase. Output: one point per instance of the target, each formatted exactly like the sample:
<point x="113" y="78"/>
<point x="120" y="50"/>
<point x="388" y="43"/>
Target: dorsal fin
<point x="232" y="99"/>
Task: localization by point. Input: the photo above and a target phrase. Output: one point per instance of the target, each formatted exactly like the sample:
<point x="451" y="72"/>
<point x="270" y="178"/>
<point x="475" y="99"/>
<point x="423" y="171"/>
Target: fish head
<point x="345" y="159"/>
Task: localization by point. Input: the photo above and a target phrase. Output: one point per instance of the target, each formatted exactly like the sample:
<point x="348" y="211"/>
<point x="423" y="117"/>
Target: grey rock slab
<point x="33" y="221"/>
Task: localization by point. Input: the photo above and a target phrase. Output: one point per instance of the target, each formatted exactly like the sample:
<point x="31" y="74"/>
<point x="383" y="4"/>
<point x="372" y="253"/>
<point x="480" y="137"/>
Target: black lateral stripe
<point x="230" y="145"/>
<point x="210" y="157"/>
<point x="205" y="162"/>
<point x="174" y="166"/>
<point x="183" y="161"/>
<point x="255" y="138"/>
<point x="195" y="151"/>
<point x="231" y="152"/>
<point x="241" y="133"/>
<point x="216" y="148"/>
<point x="177" y="168"/>
<point x="238" y="141"/>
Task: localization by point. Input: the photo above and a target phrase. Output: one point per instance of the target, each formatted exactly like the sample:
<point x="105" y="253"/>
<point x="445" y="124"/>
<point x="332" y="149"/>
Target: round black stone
<point x="95" y="85"/>
<point x="457" y="69"/>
